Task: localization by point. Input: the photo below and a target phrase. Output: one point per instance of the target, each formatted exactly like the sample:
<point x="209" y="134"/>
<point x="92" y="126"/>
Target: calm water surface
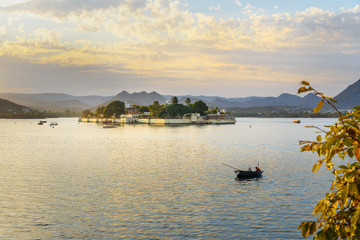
<point x="80" y="181"/>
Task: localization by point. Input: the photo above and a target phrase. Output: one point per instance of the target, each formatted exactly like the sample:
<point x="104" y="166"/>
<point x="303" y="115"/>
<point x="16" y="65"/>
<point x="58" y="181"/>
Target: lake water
<point x="80" y="181"/>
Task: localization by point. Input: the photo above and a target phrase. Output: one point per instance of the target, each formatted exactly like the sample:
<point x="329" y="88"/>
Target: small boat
<point x="296" y="121"/>
<point x="41" y="123"/>
<point x="52" y="124"/>
<point x="247" y="175"/>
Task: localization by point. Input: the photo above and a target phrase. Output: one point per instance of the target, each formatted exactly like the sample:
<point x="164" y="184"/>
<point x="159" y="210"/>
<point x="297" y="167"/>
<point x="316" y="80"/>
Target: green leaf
<point x="350" y="152"/>
<point x="321" y="235"/>
<point x="319" y="138"/>
<point x="312" y="228"/>
<point x="347" y="142"/>
<point x="305" y="229"/>
<point x="319" y="106"/>
<point x="349" y="175"/>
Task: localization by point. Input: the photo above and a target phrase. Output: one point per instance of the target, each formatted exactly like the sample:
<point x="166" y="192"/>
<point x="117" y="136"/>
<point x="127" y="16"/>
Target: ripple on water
<point x="79" y="181"/>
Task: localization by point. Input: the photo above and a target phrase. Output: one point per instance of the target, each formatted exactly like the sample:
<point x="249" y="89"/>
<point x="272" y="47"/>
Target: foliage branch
<point x="338" y="214"/>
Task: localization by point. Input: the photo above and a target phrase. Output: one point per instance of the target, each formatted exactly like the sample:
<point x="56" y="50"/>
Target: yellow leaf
<point x="319" y="106"/>
<point x="357" y="153"/>
<point x="333" y="185"/>
<point x="302" y="89"/>
<point x="305" y="83"/>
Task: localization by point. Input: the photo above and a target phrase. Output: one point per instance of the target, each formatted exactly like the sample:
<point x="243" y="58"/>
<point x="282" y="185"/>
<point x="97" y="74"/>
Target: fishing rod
<point x="230" y="166"/>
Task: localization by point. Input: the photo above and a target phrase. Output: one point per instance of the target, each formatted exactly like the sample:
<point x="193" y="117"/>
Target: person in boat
<point x="257" y="169"/>
<point x="249" y="170"/>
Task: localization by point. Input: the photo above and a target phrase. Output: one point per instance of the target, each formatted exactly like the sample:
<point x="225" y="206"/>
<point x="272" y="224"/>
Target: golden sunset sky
<point x="228" y="48"/>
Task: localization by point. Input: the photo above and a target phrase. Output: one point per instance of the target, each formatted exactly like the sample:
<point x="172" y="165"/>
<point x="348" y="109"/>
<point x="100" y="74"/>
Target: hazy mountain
<point x="60" y="106"/>
<point x="141" y="98"/>
<point x="347" y="99"/>
<point x="284" y="99"/>
<point x="350" y="97"/>
<point x="10" y="107"/>
<point x="54" y="101"/>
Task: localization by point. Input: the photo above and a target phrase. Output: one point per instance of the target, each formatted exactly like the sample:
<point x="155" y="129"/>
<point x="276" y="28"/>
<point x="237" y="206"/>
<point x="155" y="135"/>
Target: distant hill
<point x="141" y="98"/>
<point x="350" y="97"/>
<point x="54" y="101"/>
<point x="347" y="99"/>
<point x="285" y="99"/>
<point x="7" y="107"/>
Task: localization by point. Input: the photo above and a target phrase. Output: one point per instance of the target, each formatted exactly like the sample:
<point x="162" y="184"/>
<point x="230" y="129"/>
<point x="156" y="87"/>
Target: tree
<point x="199" y="107"/>
<point x="86" y="113"/>
<point x="135" y="106"/>
<point x="99" y="111"/>
<point x="115" y="108"/>
<point x="338" y="214"/>
<point x="143" y="109"/>
<point x="214" y="110"/>
<point x="175" y="110"/>
<point x="188" y="101"/>
<point x="155" y="109"/>
<point x="174" y="100"/>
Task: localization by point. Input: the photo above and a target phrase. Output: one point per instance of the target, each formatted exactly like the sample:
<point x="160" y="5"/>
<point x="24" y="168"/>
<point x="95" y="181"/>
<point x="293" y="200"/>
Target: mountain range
<point x="346" y="99"/>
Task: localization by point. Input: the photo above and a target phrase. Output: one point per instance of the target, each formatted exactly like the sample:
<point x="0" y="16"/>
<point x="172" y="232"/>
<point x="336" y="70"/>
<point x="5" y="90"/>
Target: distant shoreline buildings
<point x="193" y="118"/>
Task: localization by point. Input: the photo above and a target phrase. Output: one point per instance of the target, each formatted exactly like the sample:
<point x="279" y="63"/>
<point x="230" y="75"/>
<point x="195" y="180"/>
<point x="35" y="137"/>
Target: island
<point x="172" y="112"/>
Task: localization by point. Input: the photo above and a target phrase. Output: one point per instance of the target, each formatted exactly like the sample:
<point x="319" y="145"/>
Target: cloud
<point x="163" y="41"/>
<point x="238" y="3"/>
<point x="215" y="8"/>
<point x="62" y="9"/>
<point x="3" y="30"/>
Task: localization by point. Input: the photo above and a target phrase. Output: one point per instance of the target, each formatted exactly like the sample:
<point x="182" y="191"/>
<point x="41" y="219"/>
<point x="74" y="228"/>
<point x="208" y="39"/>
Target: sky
<point x="228" y="48"/>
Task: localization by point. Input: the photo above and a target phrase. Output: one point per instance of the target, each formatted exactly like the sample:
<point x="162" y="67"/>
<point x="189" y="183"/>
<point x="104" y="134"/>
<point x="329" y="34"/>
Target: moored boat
<point x="41" y="123"/>
<point x="52" y="124"/>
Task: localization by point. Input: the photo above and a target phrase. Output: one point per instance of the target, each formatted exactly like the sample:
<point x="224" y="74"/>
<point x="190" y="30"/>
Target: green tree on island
<point x="177" y="110"/>
<point x="86" y="113"/>
<point x="115" y="108"/>
<point x="199" y="107"/>
<point x="174" y="100"/>
<point x="99" y="111"/>
<point x="144" y="109"/>
<point x="338" y="214"/>
<point x="155" y="109"/>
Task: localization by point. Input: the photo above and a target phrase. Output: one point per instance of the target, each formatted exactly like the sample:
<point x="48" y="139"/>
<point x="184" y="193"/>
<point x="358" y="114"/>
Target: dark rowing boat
<point x="247" y="175"/>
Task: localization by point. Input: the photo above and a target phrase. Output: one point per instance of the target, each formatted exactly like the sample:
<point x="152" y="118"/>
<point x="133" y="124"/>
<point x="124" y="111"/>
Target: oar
<point x="230" y="166"/>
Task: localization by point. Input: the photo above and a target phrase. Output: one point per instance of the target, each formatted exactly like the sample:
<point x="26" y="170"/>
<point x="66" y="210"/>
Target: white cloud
<point x="21" y="28"/>
<point x="215" y="8"/>
<point x="62" y="9"/>
<point x="3" y="30"/>
<point x="48" y="37"/>
<point x="162" y="39"/>
<point x="238" y="3"/>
